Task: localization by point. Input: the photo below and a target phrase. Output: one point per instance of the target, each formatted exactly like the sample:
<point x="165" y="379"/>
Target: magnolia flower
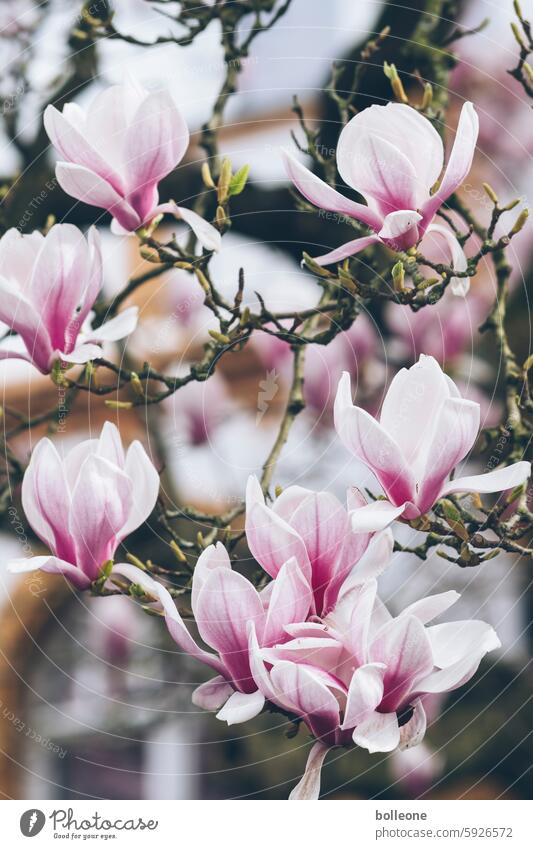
<point x="326" y="539"/>
<point x="83" y="506"/>
<point x="114" y="155"/>
<point x="48" y="285"/>
<point x="426" y="428"/>
<point x="224" y="603"/>
<point x="393" y="156"/>
<point x="360" y="676"/>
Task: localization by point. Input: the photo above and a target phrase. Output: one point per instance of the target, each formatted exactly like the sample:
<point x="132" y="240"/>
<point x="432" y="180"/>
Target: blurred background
<point x="94" y="696"/>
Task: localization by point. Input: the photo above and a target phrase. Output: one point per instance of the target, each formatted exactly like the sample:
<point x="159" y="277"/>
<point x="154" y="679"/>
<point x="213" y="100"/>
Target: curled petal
<point x="412" y="733"/>
<point x="85" y="185"/>
<point x="363" y="436"/>
<point x="309" y="785"/>
<point x="351" y="248"/>
<point x="208" y="236"/>
<point x="459" y="163"/>
<point x="497" y="481"/>
<point x="379" y="733"/>
<point x="53" y="565"/>
<point x="240" y="707"/>
<point x="116" y="328"/>
<point x="364" y="694"/>
<point x="212" y="694"/>
<point x="317" y="192"/>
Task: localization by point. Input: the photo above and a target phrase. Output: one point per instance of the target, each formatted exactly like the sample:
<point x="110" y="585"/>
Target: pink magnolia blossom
<point x="425" y="429"/>
<point x="360" y="676"/>
<point x="393" y="156"/>
<point x="114" y="155"/>
<point x="84" y="505"/>
<point x="327" y="540"/>
<point x="224" y="603"/>
<point x="48" y="285"/>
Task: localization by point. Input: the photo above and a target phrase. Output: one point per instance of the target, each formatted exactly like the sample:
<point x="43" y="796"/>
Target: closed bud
<point x="224" y="181"/>
<point x="177" y="551"/>
<point x="398" y="277"/>
<point x="118" y="405"/>
<point x="219" y="337"/>
<point x="391" y="73"/>
<point x="136" y="384"/>
<point x="207" y="177"/>
<point x="489" y="191"/>
<point x="519" y="223"/>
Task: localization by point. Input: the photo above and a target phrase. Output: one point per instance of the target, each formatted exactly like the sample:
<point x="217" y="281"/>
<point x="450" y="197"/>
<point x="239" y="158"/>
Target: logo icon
<point x="32" y="822"/>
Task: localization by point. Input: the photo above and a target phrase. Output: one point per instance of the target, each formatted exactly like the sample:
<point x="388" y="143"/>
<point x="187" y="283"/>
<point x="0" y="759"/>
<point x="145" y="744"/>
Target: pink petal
<point x="270" y="539"/>
<point x="241" y="707"/>
<point x="317" y="192"/>
<point x="290" y="601"/>
<point x="109" y="445"/>
<point x="309" y="785"/>
<point x="451" y="641"/>
<point x="401" y="127"/>
<point x="456" y="256"/>
<point x="321" y="522"/>
<point x="85" y="185"/>
<point x="363" y="436"/>
<point x="302" y="690"/>
<point x="212" y="694"/>
<point x="400" y="229"/>
<point x="226" y="604"/>
<point x="374" y="517"/>
<point x="377" y="169"/>
<point x="412" y="733"/>
<point x="46" y="500"/>
<point x="364" y="694"/>
<point x="348" y="249"/>
<point x="208" y="236"/>
<point x="373" y="562"/>
<point x="73" y="146"/>
<point x="459" y="163"/>
<point x="379" y="733"/>
<point x="23" y="317"/>
<point x="410" y="408"/>
<point x="404" y="647"/>
<point x="432" y="606"/>
<point x="52" y="565"/>
<point x="156" y="140"/>
<point x="101" y="500"/>
<point x="116" y="328"/>
<point x="213" y="557"/>
<point x="80" y="354"/>
<point x="497" y="481"/>
<point x="455" y="431"/>
<point x="145" y="487"/>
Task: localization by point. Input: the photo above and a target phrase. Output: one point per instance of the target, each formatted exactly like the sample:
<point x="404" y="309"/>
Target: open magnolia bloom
<point x="425" y="429"/>
<point x="115" y="154"/>
<point x="84" y="505"/>
<point x="48" y="285"/>
<point x="224" y="603"/>
<point x="327" y="540"/>
<point x="360" y="676"/>
<point x="393" y="156"/>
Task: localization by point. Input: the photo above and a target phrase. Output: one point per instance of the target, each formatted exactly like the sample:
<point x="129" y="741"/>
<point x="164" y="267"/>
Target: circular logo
<point x="32" y="822"/>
